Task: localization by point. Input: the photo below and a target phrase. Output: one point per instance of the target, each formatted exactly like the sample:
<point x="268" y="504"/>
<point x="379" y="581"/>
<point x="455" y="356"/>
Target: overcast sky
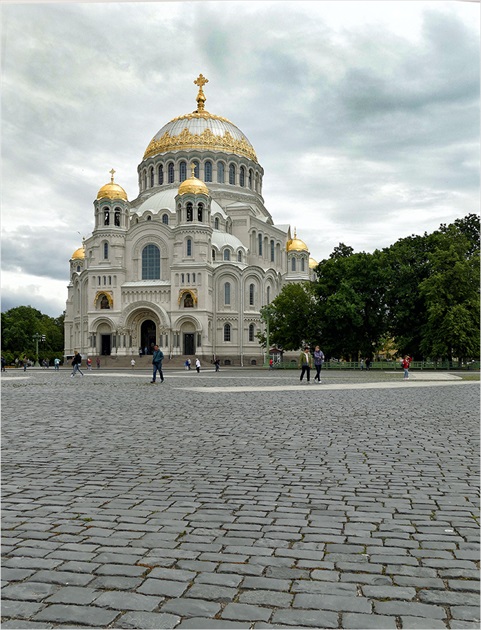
<point x="364" y="116"/>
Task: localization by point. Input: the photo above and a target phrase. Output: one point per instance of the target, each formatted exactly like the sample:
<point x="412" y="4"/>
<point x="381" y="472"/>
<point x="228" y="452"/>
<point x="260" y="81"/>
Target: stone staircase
<point x="145" y="361"/>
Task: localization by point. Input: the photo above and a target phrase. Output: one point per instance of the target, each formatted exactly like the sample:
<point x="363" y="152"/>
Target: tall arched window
<point x="268" y="295"/>
<point x="239" y="256"/>
<point x="151" y="263"/>
<point x="242" y="176"/>
<point x="200" y="210"/>
<point x="250" y="179"/>
<point x="106" y="251"/>
<point x="161" y="174"/>
<point x="303" y="264"/>
<point x="272" y="251"/>
<point x="227" y="332"/>
<point x="190" y="211"/>
<point x="293" y="264"/>
<point x="189" y="247"/>
<point x="183" y="171"/>
<point x="220" y="172"/>
<point x="227" y="293"/>
<point x="259" y="241"/>
<point x="151" y="173"/>
<point x="216" y="223"/>
<point x="170" y="173"/>
<point x="106" y="216"/>
<point x="252" y="330"/>
<point x="165" y="219"/>
<point x="213" y="255"/>
<point x="117" y="217"/>
<point x="251" y="295"/>
<point x="231" y="174"/>
<point x="208" y="171"/>
<point x="226" y="254"/>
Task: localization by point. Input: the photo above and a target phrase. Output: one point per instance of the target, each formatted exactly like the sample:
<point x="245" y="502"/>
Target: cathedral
<point x="190" y="262"/>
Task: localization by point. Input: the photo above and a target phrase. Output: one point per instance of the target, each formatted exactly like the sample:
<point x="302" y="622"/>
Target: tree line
<point x="20" y="324"/>
<point x="419" y="296"/>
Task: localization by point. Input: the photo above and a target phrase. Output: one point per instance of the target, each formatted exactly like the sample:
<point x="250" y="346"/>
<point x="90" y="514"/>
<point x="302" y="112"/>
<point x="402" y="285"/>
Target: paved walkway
<point x="242" y="499"/>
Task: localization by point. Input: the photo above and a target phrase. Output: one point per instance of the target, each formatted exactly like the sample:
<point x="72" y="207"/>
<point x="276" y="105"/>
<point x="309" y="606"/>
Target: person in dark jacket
<point x="157" y="358"/>
<point x="76" y="361"/>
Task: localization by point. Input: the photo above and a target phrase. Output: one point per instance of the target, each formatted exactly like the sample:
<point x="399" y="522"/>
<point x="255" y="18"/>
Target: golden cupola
<point x="112" y="190"/>
<point x="200" y="130"/>
<point x="296" y="245"/>
<point x="193" y="185"/>
<point x="79" y="254"/>
<point x="312" y="263"/>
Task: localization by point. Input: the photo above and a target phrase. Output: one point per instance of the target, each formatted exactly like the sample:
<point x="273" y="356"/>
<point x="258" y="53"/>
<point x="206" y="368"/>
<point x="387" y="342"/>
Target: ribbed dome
<point x="200" y="130"/>
<point x="296" y="245"/>
<point x="312" y="263"/>
<point x="194" y="186"/>
<point x="112" y="190"/>
<point x="79" y="254"/>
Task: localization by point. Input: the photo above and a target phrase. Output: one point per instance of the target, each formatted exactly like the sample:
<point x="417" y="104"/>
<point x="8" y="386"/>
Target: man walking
<point x="157" y="358"/>
<point x="305" y="363"/>
<point x="76" y="361"/>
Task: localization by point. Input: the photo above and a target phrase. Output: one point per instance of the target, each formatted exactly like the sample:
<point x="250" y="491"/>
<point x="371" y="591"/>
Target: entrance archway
<point x="148" y="334"/>
<point x="189" y="344"/>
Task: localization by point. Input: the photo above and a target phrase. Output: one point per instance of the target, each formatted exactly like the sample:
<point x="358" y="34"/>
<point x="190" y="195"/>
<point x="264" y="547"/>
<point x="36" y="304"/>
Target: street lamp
<point x="37" y="337"/>
<point x="267" y="310"/>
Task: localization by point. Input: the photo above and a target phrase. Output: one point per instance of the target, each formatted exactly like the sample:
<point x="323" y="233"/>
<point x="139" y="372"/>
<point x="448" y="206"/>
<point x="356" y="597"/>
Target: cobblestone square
<point x="239" y="499"/>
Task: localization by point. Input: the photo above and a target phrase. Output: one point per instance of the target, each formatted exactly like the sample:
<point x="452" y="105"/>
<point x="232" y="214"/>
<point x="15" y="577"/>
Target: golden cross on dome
<point x="201" y="81"/>
<point x="192" y="166"/>
<point x="112" y="175"/>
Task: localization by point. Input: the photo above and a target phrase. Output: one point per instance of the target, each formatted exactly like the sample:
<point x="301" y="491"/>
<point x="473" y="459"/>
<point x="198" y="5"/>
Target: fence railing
<point x="386" y="365"/>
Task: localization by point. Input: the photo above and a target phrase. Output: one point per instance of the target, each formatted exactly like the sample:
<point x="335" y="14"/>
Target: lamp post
<point x="267" y="310"/>
<point x="37" y="337"/>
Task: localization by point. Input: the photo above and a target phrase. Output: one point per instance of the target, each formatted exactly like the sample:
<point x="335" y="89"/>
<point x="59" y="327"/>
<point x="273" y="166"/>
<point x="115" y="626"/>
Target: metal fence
<point x="385" y="365"/>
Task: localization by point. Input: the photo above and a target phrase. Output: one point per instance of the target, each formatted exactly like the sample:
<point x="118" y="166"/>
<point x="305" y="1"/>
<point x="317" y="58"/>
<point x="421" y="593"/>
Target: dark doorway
<point x="189" y="347"/>
<point x="147" y="335"/>
<point x="106" y="339"/>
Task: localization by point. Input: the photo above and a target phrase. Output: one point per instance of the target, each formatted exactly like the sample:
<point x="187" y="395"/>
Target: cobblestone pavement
<point x="241" y="499"/>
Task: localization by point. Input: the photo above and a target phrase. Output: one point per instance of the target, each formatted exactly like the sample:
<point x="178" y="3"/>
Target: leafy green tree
<point x="19" y="324"/>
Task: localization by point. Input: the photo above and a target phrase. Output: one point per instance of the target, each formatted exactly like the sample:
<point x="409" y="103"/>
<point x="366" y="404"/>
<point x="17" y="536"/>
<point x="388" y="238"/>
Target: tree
<point x="19" y="324"/>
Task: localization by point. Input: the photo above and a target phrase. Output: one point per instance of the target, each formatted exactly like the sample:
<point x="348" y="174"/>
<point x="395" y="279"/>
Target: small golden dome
<point x="193" y="185"/>
<point x="79" y="254"/>
<point x="296" y="245"/>
<point x="312" y="263"/>
<point x="112" y="190"/>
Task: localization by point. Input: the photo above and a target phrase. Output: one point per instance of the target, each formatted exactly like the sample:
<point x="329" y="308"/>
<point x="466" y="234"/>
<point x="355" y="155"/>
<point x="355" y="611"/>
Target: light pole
<point x="37" y="337"/>
<point x="267" y="312"/>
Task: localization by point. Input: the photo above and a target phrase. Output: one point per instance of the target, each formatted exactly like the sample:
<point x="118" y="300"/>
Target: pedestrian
<point x="186" y="364"/>
<point x="271" y="364"/>
<point x="146" y="350"/>
<point x="132" y="363"/>
<point x="4" y="362"/>
<point x="405" y="364"/>
<point x="305" y="363"/>
<point x="56" y="363"/>
<point x="217" y="365"/>
<point x="318" y="361"/>
<point x="361" y="364"/>
<point x="89" y="363"/>
<point x="76" y="362"/>
<point x="157" y="358"/>
<point x="368" y="364"/>
<point x="197" y="365"/>
<point x="25" y="363"/>
<point x="98" y="363"/>
<point x="140" y="352"/>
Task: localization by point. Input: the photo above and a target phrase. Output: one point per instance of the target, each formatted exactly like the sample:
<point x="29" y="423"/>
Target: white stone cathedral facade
<point x="191" y="261"/>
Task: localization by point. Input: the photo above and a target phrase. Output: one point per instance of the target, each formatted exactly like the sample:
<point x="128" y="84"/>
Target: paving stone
<point x="469" y="613"/>
<point x="116" y="583"/>
<point x="409" y="609"/>
<point x="340" y="603"/>
<point x="87" y="615"/>
<point x="308" y="618"/>
<point x="191" y="608"/>
<point x="388" y="592"/>
<point x="212" y="624"/>
<point x="127" y="601"/>
<point x="222" y="579"/>
<point x="212" y="592"/>
<point x="73" y="595"/>
<point x="19" y="609"/>
<point x="420" y="623"/>
<point x="355" y="620"/>
<point x="277" y="599"/>
<point x="246" y="612"/>
<point x="66" y="578"/>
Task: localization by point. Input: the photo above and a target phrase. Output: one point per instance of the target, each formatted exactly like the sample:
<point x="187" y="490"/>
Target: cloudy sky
<point x="364" y="116"/>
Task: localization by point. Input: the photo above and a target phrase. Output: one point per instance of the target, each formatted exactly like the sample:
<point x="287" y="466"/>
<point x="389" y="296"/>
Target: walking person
<point x="405" y="364"/>
<point x="217" y="365"/>
<point x="305" y="363"/>
<point x="56" y="363"/>
<point x="318" y="361"/>
<point x="98" y="363"/>
<point x="89" y="363"/>
<point x="132" y="363"/>
<point x="157" y="358"/>
<point x="197" y="365"/>
<point x="76" y="361"/>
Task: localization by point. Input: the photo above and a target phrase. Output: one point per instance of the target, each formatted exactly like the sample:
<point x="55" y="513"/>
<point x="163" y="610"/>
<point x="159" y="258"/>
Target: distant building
<point x="189" y="263"/>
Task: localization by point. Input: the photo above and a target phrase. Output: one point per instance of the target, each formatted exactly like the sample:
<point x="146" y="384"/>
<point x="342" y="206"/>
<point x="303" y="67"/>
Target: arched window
<point x="196" y="168"/>
<point x="293" y="264"/>
<point x="252" y="330"/>
<point x="189" y="247"/>
<point x="208" y="171"/>
<point x="190" y="211"/>
<point x="220" y="172"/>
<point x="106" y="251"/>
<point x="303" y="264"/>
<point x="272" y="251"/>
<point x="239" y="256"/>
<point x="106" y="216"/>
<point x="161" y="174"/>
<point x="183" y="171"/>
<point x="151" y="172"/>
<point x="216" y="223"/>
<point x="268" y="295"/>
<point x="227" y="332"/>
<point x="182" y="278"/>
<point x="165" y="219"/>
<point x="150" y="263"/>
<point x="104" y="302"/>
<point x="226" y="254"/>
<point x="213" y="255"/>
<point x="188" y="301"/>
<point x="227" y="293"/>
<point x="231" y="174"/>
<point x="200" y="209"/>
<point x="250" y="179"/>
<point x="242" y="176"/>
<point x="117" y="217"/>
<point x="251" y="295"/>
<point x="170" y="173"/>
<point x="259" y="241"/>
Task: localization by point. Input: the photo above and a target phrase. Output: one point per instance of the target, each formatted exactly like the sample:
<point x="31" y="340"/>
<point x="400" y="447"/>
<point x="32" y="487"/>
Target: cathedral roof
<point x="223" y="239"/>
<point x="201" y="130"/>
<point x="165" y="200"/>
<point x="112" y="190"/>
<point x="296" y="245"/>
<point x="79" y="254"/>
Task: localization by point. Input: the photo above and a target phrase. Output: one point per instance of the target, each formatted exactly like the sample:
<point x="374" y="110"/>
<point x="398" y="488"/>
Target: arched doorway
<point x="148" y="332"/>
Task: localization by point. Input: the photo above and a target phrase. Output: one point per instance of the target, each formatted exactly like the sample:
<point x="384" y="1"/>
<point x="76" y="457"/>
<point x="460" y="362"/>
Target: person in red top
<point x="405" y="363"/>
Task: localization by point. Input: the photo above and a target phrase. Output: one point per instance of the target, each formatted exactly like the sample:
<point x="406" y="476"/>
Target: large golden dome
<point x="79" y="254"/>
<point x="200" y="130"/>
<point x="296" y="245"/>
<point x="112" y="190"/>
